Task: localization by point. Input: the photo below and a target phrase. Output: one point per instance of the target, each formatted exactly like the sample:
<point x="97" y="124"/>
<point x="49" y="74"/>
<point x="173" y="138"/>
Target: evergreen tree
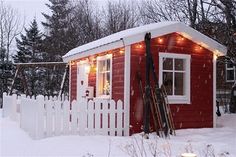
<point x="6" y="74"/>
<point x="30" y="45"/>
<point x="30" y="50"/>
<point x="61" y="35"/>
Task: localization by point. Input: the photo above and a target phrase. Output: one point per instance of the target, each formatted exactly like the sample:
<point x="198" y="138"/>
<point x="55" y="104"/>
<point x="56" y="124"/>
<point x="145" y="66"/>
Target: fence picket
<point x="58" y="115"/>
<point x="82" y="116"/>
<point x="98" y="104"/>
<point x="105" y="117"/>
<point x="7" y="103"/>
<point x="18" y="102"/>
<point x="30" y="112"/>
<point x="119" y="117"/>
<point x="74" y="117"/>
<point x="22" y="112"/>
<point x="66" y="116"/>
<point x="90" y="121"/>
<point x="10" y="106"/>
<point x="40" y="117"/>
<point x="49" y="116"/>
<point x="13" y="114"/>
<point x="112" y="117"/>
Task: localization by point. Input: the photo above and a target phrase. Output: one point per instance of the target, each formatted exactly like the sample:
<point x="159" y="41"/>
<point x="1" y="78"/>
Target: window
<point x="103" y="88"/>
<point x="230" y="73"/>
<point x="174" y="73"/>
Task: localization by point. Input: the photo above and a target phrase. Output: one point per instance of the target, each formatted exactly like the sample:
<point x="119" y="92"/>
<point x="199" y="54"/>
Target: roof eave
<point x="203" y="40"/>
<point x="95" y="50"/>
<point x="187" y="32"/>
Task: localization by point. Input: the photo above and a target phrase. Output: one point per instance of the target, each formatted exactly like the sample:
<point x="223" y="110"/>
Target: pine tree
<point x="30" y="50"/>
<point x="61" y="35"/>
<point x="6" y="74"/>
<point x="30" y="45"/>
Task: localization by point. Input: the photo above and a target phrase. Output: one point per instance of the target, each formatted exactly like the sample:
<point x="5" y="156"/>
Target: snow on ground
<point x="221" y="141"/>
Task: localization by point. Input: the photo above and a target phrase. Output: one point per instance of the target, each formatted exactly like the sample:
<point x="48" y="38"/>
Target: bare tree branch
<point x="10" y="27"/>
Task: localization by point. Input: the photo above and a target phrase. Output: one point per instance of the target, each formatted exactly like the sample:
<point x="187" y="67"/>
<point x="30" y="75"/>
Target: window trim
<point x="177" y="99"/>
<point x="226" y="69"/>
<point x="101" y="58"/>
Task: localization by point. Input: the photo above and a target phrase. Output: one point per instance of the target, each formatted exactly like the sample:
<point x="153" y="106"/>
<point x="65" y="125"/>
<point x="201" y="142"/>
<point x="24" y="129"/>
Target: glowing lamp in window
<point x="87" y="68"/>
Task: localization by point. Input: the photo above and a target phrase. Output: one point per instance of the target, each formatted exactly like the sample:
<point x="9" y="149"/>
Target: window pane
<point x="168" y="82"/>
<point x="106" y="88"/>
<point x="104" y="77"/>
<point x="167" y="64"/>
<point x="230" y="74"/>
<point x="179" y="84"/>
<point x="108" y="65"/>
<point x="101" y="66"/>
<point x="179" y="64"/>
<point x="101" y="81"/>
<point x="229" y="65"/>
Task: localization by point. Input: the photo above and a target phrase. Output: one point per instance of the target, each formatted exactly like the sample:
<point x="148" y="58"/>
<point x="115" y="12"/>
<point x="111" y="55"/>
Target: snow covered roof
<point x="134" y="35"/>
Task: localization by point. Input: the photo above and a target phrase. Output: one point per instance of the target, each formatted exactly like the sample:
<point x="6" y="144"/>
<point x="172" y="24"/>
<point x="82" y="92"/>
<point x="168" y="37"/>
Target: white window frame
<point x="227" y="69"/>
<point x="176" y="99"/>
<point x="102" y="58"/>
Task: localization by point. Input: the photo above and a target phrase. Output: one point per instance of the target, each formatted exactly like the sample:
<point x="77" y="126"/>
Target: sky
<point x="28" y="9"/>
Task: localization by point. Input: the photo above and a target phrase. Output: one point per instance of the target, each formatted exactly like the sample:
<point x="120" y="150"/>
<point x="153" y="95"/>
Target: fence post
<point x="40" y="117"/>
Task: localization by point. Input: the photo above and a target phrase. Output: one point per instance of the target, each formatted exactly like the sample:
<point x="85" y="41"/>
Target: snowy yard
<point x="220" y="140"/>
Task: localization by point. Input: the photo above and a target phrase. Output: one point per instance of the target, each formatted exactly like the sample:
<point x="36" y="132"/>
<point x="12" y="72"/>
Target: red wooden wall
<point x="195" y="115"/>
<point x="117" y="74"/>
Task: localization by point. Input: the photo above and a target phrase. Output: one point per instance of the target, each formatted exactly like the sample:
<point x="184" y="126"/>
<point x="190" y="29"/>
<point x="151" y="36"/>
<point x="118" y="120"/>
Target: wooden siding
<point x="73" y="81"/>
<point x="195" y="115"/>
<point x="117" y="74"/>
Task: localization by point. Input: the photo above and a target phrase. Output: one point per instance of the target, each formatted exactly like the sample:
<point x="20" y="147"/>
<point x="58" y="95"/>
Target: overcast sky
<point x="28" y="9"/>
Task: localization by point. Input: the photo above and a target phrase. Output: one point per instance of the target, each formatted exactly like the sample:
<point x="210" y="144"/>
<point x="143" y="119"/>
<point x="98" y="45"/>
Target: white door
<point x="82" y="80"/>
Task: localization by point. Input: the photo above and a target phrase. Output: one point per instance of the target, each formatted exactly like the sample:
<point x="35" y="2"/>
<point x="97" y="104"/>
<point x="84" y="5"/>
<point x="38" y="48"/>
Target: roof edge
<point x="178" y="27"/>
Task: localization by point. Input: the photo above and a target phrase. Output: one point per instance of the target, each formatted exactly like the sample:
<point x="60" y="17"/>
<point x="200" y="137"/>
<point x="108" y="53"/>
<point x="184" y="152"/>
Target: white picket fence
<point x="43" y="117"/>
<point x="11" y="105"/>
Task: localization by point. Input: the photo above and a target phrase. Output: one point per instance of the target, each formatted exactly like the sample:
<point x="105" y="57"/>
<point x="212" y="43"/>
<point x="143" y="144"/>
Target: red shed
<point x="184" y="59"/>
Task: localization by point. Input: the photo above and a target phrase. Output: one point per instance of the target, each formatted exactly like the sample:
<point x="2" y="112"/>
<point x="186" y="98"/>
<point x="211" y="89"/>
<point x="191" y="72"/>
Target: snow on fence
<point x="44" y="117"/>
